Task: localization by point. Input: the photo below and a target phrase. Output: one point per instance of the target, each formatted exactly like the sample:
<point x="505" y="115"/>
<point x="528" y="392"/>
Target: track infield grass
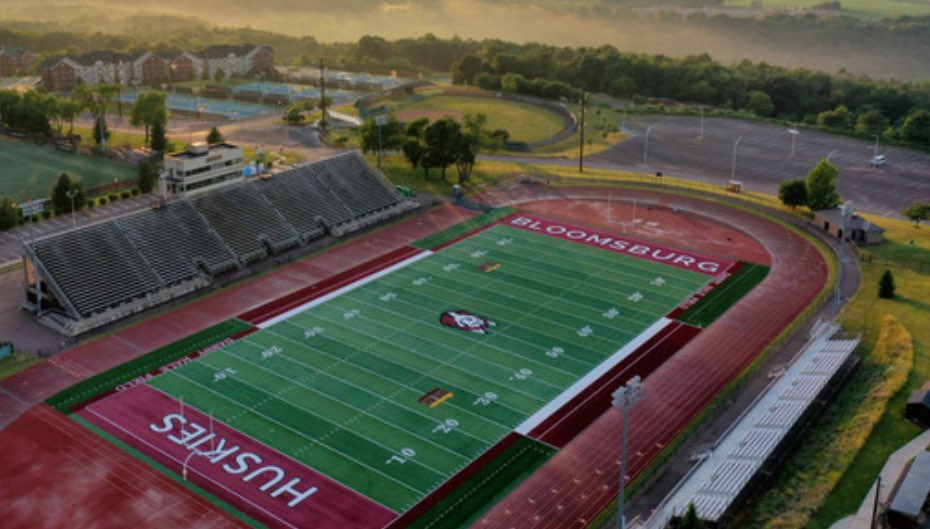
<point x="338" y="387"/>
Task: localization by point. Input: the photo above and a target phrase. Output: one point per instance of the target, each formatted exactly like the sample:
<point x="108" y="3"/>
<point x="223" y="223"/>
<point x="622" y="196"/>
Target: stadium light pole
<point x="646" y="146"/>
<point x="623" y="399"/>
<point x="71" y="194"/>
<point x="733" y="165"/>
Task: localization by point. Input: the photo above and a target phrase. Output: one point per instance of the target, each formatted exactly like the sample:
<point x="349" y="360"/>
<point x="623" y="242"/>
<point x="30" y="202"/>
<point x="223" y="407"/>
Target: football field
<point x="394" y="384"/>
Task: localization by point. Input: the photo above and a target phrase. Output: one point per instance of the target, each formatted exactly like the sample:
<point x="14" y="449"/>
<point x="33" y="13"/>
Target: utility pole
<point x="581" y="136"/>
<point x="322" y="95"/>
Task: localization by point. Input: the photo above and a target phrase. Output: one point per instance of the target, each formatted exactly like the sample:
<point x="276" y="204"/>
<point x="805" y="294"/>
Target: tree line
<point x="838" y="101"/>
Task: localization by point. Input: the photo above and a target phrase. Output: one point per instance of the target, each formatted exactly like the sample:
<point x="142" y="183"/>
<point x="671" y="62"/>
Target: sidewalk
<point x="890" y="475"/>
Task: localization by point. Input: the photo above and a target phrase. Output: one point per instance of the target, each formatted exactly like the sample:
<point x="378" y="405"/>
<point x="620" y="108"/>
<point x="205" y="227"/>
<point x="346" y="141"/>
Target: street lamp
<point x="733" y="166"/>
<point x="71" y="194"/>
<point x="794" y="137"/>
<point x="623" y="399"/>
<point x="830" y="155"/>
<point x="701" y="135"/>
<point x="646" y="145"/>
<point x="876" y="145"/>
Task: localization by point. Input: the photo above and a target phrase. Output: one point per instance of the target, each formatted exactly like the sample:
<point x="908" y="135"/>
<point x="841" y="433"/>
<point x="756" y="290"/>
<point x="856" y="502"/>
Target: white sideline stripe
<point x="340" y="291"/>
<point x="555" y="404"/>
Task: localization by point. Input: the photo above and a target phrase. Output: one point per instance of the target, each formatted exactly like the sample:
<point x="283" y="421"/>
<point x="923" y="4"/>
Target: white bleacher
<point x="719" y="479"/>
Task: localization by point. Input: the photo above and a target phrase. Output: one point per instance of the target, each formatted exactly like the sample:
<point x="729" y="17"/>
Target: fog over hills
<point x="880" y="48"/>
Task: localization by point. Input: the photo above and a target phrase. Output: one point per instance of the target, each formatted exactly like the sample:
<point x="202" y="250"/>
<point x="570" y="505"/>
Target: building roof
<point x="858" y="223"/>
<point x="913" y="491"/>
<point x="15" y="53"/>
<point x="852" y="221"/>
<point x="221" y="51"/>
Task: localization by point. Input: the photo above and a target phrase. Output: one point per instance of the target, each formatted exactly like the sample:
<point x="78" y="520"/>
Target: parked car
<point x="878" y="160"/>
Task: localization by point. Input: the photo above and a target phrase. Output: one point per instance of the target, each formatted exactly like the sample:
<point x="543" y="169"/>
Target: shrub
<point x="125" y="194"/>
<point x="135" y="191"/>
<point x="113" y="197"/>
<point x="46" y="214"/>
<point x="886" y="285"/>
<point x="102" y="200"/>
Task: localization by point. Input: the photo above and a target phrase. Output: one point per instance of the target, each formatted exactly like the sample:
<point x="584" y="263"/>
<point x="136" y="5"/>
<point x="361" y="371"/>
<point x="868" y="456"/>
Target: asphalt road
<point x="764" y="159"/>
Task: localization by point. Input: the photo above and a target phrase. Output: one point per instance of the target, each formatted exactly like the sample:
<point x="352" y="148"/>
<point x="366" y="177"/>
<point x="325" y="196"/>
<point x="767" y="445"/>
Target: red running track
<point x="44" y="485"/>
<point x="581" y="480"/>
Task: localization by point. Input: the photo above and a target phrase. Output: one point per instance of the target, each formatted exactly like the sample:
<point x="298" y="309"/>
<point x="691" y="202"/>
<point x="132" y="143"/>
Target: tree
<point x="917" y="212"/>
<point x="917" y="127"/>
<point x="101" y="131"/>
<point x="690" y="520"/>
<point x="391" y="135"/>
<point x="148" y="176"/>
<point x="414" y="146"/>
<point x="444" y="141"/>
<point x="821" y="187"/>
<point x="148" y="109"/>
<point x="838" y="118"/>
<point x="871" y="123"/>
<point x="159" y="140"/>
<point x="793" y="193"/>
<point x="9" y="213"/>
<point x="760" y="103"/>
<point x="886" y="285"/>
<point x="466" y="70"/>
<point x="61" y="202"/>
<point x="215" y="136"/>
<point x="219" y="75"/>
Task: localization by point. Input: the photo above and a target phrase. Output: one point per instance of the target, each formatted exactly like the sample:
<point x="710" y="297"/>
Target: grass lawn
<point x="598" y="130"/>
<point x="524" y="122"/>
<point x="863" y="8"/>
<point x="30" y="171"/>
<point x="912" y="309"/>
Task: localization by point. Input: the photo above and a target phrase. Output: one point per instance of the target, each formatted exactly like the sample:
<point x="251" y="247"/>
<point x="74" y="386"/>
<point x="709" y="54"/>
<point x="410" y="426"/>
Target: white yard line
<point x="555" y="404"/>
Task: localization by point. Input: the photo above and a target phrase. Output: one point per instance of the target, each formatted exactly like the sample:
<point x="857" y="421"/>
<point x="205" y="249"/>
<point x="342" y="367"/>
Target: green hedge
<point x="122" y="373"/>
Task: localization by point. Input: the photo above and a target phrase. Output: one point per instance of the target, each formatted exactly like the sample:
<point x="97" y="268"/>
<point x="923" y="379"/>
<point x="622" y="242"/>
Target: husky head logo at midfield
<point x="466" y="321"/>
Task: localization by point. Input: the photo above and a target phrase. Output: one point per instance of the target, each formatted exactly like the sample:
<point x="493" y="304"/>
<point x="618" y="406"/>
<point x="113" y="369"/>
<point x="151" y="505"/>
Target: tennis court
<point x="387" y="388"/>
<point x="30" y="171"/>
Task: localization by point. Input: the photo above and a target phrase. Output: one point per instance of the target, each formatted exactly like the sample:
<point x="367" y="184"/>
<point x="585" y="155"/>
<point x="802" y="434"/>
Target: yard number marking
<point x="611" y="313"/>
<point x="554" y="352"/>
<point x="420" y="281"/>
<point x="451" y="267"/>
<point x="635" y="297"/>
<point x="313" y="331"/>
<point x="585" y="331"/>
<point x="657" y="282"/>
<point x="522" y="374"/>
<point x="477" y="254"/>
<point x="223" y="373"/>
<point x="389" y="296"/>
<point x="486" y="399"/>
<point x="349" y="314"/>
<point x="406" y="454"/>
<point x="446" y="426"/>
<point x="504" y="242"/>
<point x="271" y="351"/>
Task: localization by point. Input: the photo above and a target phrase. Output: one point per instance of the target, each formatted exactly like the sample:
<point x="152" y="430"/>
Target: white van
<point x="878" y="161"/>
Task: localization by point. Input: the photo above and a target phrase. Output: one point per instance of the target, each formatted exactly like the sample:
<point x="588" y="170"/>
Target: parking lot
<point x="764" y="159"/>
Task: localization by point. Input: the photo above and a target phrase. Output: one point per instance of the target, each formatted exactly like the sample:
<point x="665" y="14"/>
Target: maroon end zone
<point x="264" y="483"/>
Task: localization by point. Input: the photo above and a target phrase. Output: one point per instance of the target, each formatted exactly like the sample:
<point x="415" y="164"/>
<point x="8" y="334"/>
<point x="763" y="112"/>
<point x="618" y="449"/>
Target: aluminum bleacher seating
<point x="246" y="221"/>
<point x="97" y="267"/>
<point x="174" y="239"/>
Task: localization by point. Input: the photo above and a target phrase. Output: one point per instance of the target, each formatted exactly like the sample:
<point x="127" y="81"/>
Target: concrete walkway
<point x="890" y="474"/>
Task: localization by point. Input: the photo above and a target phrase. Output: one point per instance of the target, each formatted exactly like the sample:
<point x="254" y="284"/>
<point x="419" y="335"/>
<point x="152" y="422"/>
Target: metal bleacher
<point x="246" y="221"/>
<point x="175" y="240"/>
<point x="755" y="441"/>
<point x="99" y="273"/>
<point x="98" y="269"/>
